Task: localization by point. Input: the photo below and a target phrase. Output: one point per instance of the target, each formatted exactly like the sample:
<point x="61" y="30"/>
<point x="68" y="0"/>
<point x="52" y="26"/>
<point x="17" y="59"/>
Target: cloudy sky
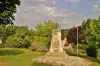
<point x="68" y="13"/>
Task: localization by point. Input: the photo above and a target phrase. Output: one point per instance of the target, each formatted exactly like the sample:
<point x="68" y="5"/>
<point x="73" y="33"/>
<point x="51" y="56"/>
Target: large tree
<point x="7" y="10"/>
<point x="92" y="32"/>
<point x="92" y="36"/>
<point x="43" y="32"/>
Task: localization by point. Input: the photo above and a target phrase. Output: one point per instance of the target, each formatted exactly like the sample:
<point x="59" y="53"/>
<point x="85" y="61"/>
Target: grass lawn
<point x="95" y="64"/>
<point x="23" y="57"/>
<point x="17" y="57"/>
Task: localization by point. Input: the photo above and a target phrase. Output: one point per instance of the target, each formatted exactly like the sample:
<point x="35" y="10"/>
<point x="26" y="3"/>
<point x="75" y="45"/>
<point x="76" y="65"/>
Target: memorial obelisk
<point x="56" y="51"/>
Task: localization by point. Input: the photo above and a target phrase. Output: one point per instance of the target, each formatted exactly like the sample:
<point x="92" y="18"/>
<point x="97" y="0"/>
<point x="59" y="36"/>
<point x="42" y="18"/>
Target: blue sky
<point x="68" y="13"/>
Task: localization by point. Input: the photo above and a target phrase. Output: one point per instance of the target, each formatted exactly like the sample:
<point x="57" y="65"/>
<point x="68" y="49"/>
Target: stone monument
<point x="56" y="51"/>
<point x="56" y="56"/>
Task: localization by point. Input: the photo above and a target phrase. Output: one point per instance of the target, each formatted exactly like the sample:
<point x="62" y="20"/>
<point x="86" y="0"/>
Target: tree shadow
<point x="5" y="52"/>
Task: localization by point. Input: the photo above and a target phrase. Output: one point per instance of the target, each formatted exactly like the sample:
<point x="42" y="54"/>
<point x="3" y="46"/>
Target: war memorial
<point x="56" y="56"/>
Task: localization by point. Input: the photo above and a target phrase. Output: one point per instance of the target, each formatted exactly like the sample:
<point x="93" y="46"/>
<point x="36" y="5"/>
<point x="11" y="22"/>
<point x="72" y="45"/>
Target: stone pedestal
<point x="55" y="56"/>
<point x="56" y="52"/>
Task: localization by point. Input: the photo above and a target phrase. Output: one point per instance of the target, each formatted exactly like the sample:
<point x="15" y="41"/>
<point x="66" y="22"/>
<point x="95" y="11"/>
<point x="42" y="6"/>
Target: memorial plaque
<point x="56" y="42"/>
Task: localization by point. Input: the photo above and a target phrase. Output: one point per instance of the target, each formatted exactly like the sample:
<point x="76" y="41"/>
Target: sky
<point x="67" y="13"/>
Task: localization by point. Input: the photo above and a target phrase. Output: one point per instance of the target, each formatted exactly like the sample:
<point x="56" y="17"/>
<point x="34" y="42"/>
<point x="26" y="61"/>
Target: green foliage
<point x="7" y="31"/>
<point x="64" y="33"/>
<point x="70" y="51"/>
<point x="21" y="34"/>
<point x="92" y="36"/>
<point x="92" y="51"/>
<point x="43" y="33"/>
<point x="99" y="54"/>
<point x="16" y="42"/>
<point x="45" y="29"/>
<point x="7" y="10"/>
<point x="92" y="32"/>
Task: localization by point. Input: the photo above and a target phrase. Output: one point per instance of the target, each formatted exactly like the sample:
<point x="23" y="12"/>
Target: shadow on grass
<point x="85" y="57"/>
<point x="5" y="52"/>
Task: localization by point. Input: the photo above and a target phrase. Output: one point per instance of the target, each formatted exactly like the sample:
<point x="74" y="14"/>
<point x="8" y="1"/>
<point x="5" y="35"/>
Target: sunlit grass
<point x="23" y="59"/>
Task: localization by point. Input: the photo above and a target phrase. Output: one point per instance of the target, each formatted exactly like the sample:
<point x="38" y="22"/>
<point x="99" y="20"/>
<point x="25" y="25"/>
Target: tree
<point x="92" y="36"/>
<point x="7" y="10"/>
<point x="64" y="33"/>
<point x="16" y="33"/>
<point x="92" y="32"/>
<point x="7" y="31"/>
<point x="20" y="38"/>
<point x="43" y="33"/>
<point x="72" y="34"/>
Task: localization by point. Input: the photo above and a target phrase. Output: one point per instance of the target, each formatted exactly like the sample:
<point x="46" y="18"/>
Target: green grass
<point x="22" y="57"/>
<point x="95" y="64"/>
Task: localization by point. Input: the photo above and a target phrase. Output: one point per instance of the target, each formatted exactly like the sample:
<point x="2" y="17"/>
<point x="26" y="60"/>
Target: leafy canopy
<point x="92" y="32"/>
<point x="7" y="10"/>
<point x="43" y="33"/>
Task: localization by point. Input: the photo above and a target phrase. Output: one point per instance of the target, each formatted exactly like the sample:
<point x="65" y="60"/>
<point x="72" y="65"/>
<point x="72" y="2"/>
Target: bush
<point x="82" y="46"/>
<point x="98" y="53"/>
<point x="92" y="51"/>
<point x="16" y="42"/>
<point x="70" y="51"/>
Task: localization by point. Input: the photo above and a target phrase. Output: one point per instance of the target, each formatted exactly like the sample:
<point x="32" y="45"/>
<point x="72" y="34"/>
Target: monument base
<point x="55" y="56"/>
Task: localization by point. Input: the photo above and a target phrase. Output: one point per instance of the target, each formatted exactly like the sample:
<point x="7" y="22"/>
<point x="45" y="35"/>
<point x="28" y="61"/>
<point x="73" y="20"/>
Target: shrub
<point x="98" y="53"/>
<point x="16" y="42"/>
<point x="91" y="51"/>
<point x="70" y="51"/>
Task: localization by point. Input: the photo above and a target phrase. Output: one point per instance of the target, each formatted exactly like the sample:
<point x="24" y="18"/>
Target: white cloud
<point x="96" y="7"/>
<point x="32" y="12"/>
